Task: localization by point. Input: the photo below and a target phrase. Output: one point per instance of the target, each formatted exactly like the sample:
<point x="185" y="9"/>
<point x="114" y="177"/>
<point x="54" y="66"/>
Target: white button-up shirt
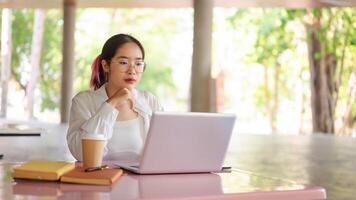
<point x="91" y="114"/>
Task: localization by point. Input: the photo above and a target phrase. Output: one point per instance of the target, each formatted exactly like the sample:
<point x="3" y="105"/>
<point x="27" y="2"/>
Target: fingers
<point x="125" y="93"/>
<point x="132" y="102"/>
<point x="122" y="96"/>
<point x="129" y="97"/>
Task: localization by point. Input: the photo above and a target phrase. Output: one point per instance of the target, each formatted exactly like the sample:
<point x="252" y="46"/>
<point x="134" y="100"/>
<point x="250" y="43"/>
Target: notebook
<point x="43" y="170"/>
<point x="99" y="177"/>
<point x="184" y="143"/>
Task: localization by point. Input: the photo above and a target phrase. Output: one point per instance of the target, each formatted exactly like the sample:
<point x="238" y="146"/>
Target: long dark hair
<point x="98" y="76"/>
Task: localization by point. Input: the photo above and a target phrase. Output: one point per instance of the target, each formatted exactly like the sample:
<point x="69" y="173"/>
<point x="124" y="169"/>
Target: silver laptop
<point x="185" y="143"/>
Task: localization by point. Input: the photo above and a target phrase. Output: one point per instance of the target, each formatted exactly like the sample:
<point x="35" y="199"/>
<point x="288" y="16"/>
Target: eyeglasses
<point x="124" y="64"/>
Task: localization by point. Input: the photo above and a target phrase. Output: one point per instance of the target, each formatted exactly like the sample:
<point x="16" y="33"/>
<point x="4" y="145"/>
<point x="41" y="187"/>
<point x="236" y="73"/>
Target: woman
<point x="114" y="108"/>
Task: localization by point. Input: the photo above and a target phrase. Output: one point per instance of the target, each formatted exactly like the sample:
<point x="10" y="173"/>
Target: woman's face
<point x="126" y="67"/>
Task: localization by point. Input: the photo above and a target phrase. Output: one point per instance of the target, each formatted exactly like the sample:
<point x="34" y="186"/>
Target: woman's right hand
<point x="121" y="97"/>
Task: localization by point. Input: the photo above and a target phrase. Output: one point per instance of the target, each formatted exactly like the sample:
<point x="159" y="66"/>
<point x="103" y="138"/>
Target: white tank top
<point x="126" y="142"/>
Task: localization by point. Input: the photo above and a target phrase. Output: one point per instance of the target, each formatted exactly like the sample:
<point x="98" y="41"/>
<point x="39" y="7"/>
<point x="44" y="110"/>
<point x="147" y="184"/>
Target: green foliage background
<point x="277" y="32"/>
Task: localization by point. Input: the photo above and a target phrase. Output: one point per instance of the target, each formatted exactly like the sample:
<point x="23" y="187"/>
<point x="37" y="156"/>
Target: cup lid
<point x="94" y="137"/>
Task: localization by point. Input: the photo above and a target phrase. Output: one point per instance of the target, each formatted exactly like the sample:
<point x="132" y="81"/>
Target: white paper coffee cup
<point x="92" y="150"/>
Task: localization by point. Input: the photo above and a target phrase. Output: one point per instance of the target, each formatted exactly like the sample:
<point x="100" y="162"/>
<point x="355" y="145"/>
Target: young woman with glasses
<point x="114" y="108"/>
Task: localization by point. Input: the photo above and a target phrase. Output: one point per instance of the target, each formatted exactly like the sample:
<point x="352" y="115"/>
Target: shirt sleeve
<point x="157" y="106"/>
<point x="82" y="122"/>
<point x="153" y="102"/>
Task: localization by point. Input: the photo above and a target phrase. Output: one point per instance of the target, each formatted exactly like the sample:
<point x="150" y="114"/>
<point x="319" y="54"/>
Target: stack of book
<point x="65" y="172"/>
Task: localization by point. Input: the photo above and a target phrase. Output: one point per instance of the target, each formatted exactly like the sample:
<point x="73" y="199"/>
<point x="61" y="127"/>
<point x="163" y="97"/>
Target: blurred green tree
<point x="330" y="38"/>
<point x="273" y="39"/>
<point x="157" y="78"/>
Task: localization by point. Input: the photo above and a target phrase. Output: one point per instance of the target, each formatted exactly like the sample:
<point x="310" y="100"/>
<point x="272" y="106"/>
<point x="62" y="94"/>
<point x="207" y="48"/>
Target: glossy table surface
<point x="313" y="160"/>
<point x="233" y="185"/>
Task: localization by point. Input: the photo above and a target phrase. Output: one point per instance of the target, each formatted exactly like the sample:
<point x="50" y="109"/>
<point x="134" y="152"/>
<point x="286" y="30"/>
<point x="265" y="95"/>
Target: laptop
<point x="185" y="143"/>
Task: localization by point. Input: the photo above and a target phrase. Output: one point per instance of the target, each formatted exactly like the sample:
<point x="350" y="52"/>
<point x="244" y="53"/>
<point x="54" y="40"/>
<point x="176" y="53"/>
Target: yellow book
<point x="43" y="170"/>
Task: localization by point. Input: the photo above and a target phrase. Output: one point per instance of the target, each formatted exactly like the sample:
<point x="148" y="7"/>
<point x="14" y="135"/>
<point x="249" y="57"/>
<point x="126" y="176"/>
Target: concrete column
<point x="6" y="48"/>
<point x="68" y="58"/>
<point x="201" y="64"/>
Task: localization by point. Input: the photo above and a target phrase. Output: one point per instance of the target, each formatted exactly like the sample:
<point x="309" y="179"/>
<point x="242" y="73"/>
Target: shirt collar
<point x="102" y="92"/>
